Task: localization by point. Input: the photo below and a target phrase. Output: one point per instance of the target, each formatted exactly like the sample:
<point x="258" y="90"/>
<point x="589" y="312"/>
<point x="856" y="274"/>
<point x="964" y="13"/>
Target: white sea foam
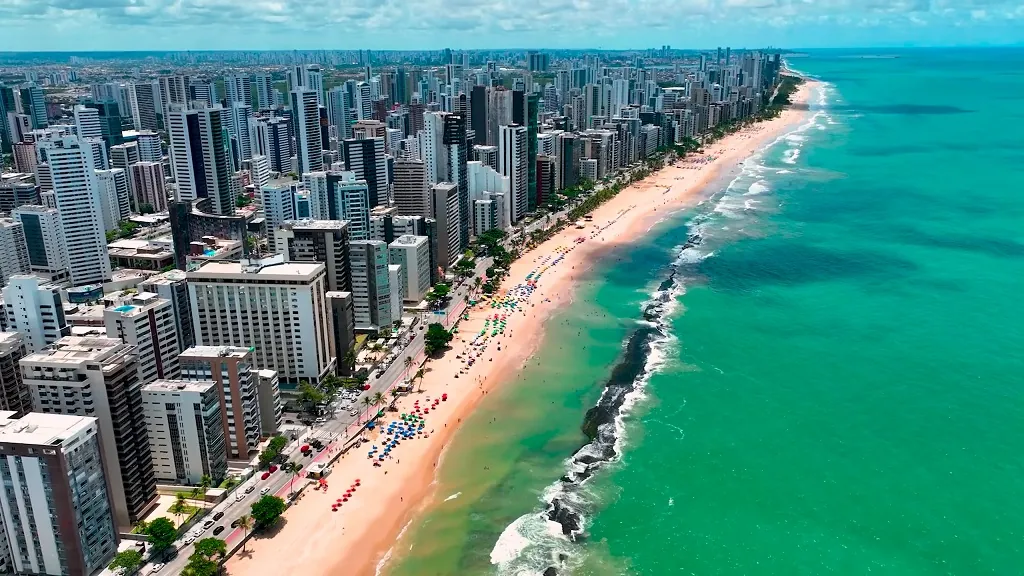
<point x="790" y="155"/>
<point x="784" y="171"/>
<point x="453" y="496"/>
<point x="759" y="187"/>
<point x="510" y="544"/>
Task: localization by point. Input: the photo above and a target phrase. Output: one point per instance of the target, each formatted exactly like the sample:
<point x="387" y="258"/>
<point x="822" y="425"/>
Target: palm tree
<point x="419" y="375"/>
<point x="378" y="399"/>
<point x="205" y="482"/>
<point x="408" y="365"/>
<point x="367" y="402"/>
<point x="292" y="468"/>
<point x="245" y="523"/>
<point x="179" y="507"/>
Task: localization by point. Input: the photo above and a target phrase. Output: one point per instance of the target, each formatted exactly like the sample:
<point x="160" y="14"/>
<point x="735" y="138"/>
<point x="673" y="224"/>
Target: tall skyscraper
<point x="512" y="163"/>
<point x="445" y="196"/>
<point x="371" y="285"/>
<point x="363" y="101"/>
<point x="276" y="307"/>
<point x="44" y="237"/>
<point x="87" y="122"/>
<point x="262" y="88"/>
<point x="147" y="323"/>
<point x="232" y="368"/>
<point x="14" y="395"/>
<point x="172" y="286"/>
<point x="186" y="430"/>
<point x="412" y="253"/>
<point x="457" y="151"/>
<point x="324" y="241"/>
<point x="115" y="201"/>
<point x="349" y="199"/>
<point x="306" y="120"/>
<point x="412" y="188"/>
<point x="279" y="145"/>
<point x="77" y="197"/>
<point x="201" y="157"/>
<point x="366" y="159"/>
<point x="238" y="118"/>
<point x="100" y="376"/>
<point x="56" y="507"/>
<point x="147" y="180"/>
<point x="33" y="102"/>
<point x="339" y="110"/>
<point x="278" y="200"/>
<point x="478" y="113"/>
<point x="238" y="89"/>
<point x="147" y="110"/>
<point x="13" y="250"/>
<point x="173" y="90"/>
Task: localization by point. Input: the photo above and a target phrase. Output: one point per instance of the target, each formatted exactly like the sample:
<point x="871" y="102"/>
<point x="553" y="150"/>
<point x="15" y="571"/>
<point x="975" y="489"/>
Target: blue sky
<point x="66" y="25"/>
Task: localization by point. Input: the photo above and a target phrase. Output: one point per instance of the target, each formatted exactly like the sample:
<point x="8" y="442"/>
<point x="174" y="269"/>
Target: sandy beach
<point x="315" y="539"/>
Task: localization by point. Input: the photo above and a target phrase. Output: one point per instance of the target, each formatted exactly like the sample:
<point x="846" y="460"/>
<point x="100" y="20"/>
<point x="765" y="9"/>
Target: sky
<point x="73" y="25"/>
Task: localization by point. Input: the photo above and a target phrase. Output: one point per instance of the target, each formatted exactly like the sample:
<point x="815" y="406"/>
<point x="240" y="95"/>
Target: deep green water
<point x="844" y="393"/>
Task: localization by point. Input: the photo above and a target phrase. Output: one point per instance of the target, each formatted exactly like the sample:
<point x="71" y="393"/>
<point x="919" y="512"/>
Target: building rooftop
<point x="311" y="224"/>
<point x="41" y="429"/>
<point x="10" y="341"/>
<point x="169" y="277"/>
<point x="269" y="269"/>
<point x="409" y="240"/>
<point x="179" y="386"/>
<point x="77" y="349"/>
<point x="215" y="352"/>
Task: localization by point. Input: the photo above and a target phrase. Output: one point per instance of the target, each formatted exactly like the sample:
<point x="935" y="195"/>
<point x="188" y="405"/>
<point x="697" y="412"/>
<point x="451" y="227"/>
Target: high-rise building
<point x="276" y="307"/>
<point x="147" y="323"/>
<point x="371" y="285"/>
<point x="367" y="160"/>
<point x="17" y="189"/>
<point x="232" y="368"/>
<point x="201" y="93"/>
<point x="8" y="104"/>
<point x="13" y="250"/>
<point x="545" y="180"/>
<point x="14" y="395"/>
<point x="238" y="119"/>
<point x="238" y="89"/>
<point x="109" y="118"/>
<point x="150" y="147"/>
<point x="343" y="322"/>
<point x="349" y="199"/>
<point x="124" y="155"/>
<point x="339" y="111"/>
<point x="412" y="253"/>
<point x="33" y="102"/>
<point x="278" y="201"/>
<point x="34" y="309"/>
<point x="76" y="196"/>
<point x="114" y="198"/>
<point x="55" y="501"/>
<point x="512" y="163"/>
<point x="87" y="122"/>
<point x="478" y="113"/>
<point x="147" y="110"/>
<point x="100" y="377"/>
<point x="457" y="151"/>
<point x="324" y="241"/>
<point x="269" y="399"/>
<point x="279" y="145"/>
<point x="174" y="90"/>
<point x="306" y="120"/>
<point x="186" y="430"/>
<point x="445" y="196"/>
<point x="173" y="287"/>
<point x="363" y="101"/>
<point x="201" y="157"/>
<point x="44" y="238"/>
<point x="147" y="180"/>
<point x="262" y="87"/>
<point x="412" y="188"/>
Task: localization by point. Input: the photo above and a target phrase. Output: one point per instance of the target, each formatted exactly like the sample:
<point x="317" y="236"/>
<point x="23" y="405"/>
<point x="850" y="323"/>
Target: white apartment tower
<point x="99" y="377"/>
<point x="512" y="163"/>
<point x="55" y="506"/>
<point x="232" y="369"/>
<point x="114" y="198"/>
<point x="76" y="196"/>
<point x="306" y="120"/>
<point x="412" y="253"/>
<point x="34" y="310"/>
<point x="148" y="323"/>
<point x="278" y="308"/>
<point x="186" y="430"/>
<point x="371" y="285"/>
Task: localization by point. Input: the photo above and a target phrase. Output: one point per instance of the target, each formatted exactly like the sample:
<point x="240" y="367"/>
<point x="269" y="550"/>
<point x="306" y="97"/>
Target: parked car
<point x="208" y="523"/>
<point x="157" y="567"/>
<point x="218" y="515"/>
<point x="218" y="530"/>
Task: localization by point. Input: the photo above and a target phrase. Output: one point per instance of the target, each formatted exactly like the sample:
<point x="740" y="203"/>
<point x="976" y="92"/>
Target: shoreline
<point x="360" y="537"/>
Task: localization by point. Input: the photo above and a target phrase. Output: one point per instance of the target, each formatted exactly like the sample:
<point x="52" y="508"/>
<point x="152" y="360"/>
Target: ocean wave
<point x="759" y="187"/>
<point x="790" y="155"/>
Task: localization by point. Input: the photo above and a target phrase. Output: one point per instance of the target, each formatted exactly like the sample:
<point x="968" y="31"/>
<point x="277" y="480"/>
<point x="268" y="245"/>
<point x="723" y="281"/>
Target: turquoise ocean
<point x="830" y="380"/>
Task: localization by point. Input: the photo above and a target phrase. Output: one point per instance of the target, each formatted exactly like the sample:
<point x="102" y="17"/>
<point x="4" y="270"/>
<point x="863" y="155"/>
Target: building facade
<point x="186" y="430"/>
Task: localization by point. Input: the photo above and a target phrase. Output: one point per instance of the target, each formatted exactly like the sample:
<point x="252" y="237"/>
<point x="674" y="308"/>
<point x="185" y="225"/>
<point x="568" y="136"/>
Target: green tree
<point x="205" y="481"/>
<point x="367" y="402"/>
<point x="309" y="395"/>
<point x="180" y="507"/>
<point x="350" y="359"/>
<point x="267" y="510"/>
<point x="162" y="534"/>
<point x="199" y="565"/>
<point x="378" y="398"/>
<point x="126" y="562"/>
<point x="408" y="364"/>
<point x="419" y="376"/>
<point x="245" y="523"/>
<point x="437" y="339"/>
<point x="292" y="468"/>
<point x="210" y="547"/>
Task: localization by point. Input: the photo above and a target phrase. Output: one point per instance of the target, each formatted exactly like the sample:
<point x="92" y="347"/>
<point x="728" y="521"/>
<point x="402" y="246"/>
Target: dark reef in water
<point x="599" y="422"/>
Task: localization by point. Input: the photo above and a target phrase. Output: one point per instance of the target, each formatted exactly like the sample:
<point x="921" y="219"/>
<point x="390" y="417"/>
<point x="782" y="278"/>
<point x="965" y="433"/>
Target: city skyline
<point x="102" y="25"/>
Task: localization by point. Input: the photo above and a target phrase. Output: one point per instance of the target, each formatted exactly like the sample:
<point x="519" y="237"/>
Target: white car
<point x="354" y="413"/>
<point x="156" y="567"/>
<point x="190" y="539"/>
<point x="250" y="488"/>
<point x="265" y="491"/>
<point x="239" y="496"/>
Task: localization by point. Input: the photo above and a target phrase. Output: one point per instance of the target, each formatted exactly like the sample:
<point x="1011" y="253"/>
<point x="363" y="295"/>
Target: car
<point x="218" y="530"/>
<point x="156" y="567"/>
<point x="289" y="421"/>
<point x="234" y="523"/>
<point x="218" y="515"/>
<point x="249" y="488"/>
<point x="354" y="413"/>
<point x="208" y="523"/>
<point x="264" y="477"/>
<point x="239" y="496"/>
<point x="273" y="468"/>
<point x="190" y="539"/>
<point x="265" y="491"/>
